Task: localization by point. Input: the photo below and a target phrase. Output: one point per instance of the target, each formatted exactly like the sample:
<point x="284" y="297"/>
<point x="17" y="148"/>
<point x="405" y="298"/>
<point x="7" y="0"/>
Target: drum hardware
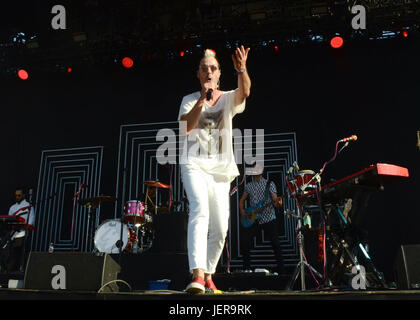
<point x="156" y="184"/>
<point x="136" y="235"/>
<point x="93" y="203"/>
<point x="107" y="237"/>
<point x="300" y="183"/>
<point x="152" y="192"/>
<point x="134" y="212"/>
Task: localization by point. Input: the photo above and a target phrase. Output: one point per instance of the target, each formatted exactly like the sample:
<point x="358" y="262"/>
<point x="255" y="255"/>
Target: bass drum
<point x="108" y="236"/>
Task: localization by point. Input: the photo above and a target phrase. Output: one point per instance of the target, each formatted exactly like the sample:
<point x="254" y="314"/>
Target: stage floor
<point x="171" y="295"/>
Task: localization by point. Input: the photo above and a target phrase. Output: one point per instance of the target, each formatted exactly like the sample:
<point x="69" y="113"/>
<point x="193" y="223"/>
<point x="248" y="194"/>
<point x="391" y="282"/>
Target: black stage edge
<point x="169" y="295"/>
<point x="138" y="269"/>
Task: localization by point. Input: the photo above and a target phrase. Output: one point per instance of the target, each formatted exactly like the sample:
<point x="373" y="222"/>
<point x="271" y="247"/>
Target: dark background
<point x="367" y="88"/>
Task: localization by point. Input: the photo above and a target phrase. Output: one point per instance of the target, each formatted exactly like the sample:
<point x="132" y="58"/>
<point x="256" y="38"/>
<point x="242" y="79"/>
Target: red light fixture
<point x="405" y="33"/>
<point x="69" y="70"/>
<point x="276" y="48"/>
<point x="182" y="53"/>
<point x="336" y="42"/>
<point x="22" y="74"/>
<point x="127" y="62"/>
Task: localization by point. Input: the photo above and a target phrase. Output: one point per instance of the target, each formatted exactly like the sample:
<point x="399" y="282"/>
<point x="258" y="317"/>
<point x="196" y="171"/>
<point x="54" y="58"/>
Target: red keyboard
<point x="375" y="176"/>
<point x="15" y="222"/>
<point x="11" y="219"/>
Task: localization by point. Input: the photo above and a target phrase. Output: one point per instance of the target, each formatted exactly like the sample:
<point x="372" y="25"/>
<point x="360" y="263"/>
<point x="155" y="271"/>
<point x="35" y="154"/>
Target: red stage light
<point x="22" y="74"/>
<point x="69" y="70"/>
<point x="336" y="42"/>
<point x="127" y="62"/>
<point x="276" y="48"/>
<point x="182" y="53"/>
<point x="405" y="34"/>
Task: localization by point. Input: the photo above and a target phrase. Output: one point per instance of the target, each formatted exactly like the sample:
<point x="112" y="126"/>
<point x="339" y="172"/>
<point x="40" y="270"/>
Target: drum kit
<point x="303" y="182"/>
<point x="134" y="233"/>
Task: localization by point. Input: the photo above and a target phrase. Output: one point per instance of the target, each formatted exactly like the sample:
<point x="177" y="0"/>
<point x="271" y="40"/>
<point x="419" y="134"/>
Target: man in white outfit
<point x="21" y="208"/>
<point x="208" y="166"/>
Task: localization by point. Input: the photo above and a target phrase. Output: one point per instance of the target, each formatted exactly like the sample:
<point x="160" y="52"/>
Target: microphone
<point x="209" y="93"/>
<point x="351" y="138"/>
<point x="30" y="194"/>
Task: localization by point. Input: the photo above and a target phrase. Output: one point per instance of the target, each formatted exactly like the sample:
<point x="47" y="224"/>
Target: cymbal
<point x="156" y="184"/>
<point x="95" y="201"/>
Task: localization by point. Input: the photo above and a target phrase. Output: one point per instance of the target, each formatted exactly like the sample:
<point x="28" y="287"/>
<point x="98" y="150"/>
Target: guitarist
<point x="258" y="190"/>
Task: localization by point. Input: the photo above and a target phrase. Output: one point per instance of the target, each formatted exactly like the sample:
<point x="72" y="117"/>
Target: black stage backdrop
<point x="370" y="89"/>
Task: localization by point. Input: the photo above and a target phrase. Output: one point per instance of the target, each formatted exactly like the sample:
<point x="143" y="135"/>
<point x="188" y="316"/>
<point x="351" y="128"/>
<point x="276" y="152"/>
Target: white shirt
<point x="209" y="145"/>
<point x="21" y="209"/>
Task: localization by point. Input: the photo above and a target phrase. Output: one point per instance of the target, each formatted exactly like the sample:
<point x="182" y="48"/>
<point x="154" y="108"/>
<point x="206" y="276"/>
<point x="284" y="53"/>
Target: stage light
<point x="276" y="48"/>
<point x="336" y="42"/>
<point x="69" y="70"/>
<point x="182" y="53"/>
<point x="127" y="62"/>
<point x="405" y="33"/>
<point x="22" y="74"/>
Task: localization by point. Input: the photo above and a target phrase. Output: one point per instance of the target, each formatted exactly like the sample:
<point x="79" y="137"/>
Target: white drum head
<point x="107" y="235"/>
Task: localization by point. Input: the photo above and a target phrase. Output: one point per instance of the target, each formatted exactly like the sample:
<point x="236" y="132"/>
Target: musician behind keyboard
<point x="11" y="258"/>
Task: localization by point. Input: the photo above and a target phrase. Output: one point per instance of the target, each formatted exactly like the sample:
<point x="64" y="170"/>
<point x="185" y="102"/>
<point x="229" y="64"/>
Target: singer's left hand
<point x="239" y="58"/>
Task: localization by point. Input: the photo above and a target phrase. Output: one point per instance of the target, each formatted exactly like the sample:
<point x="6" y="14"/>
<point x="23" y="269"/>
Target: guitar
<point x="252" y="213"/>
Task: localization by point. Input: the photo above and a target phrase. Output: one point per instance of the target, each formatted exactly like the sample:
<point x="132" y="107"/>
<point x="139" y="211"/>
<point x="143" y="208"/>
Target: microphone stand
<point x="22" y="258"/>
<point x="120" y="244"/>
<point x="300" y="267"/>
<point x="74" y="207"/>
<point x="317" y="176"/>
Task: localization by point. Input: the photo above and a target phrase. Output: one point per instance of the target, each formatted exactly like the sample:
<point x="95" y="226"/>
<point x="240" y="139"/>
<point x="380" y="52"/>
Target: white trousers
<point x="208" y="219"/>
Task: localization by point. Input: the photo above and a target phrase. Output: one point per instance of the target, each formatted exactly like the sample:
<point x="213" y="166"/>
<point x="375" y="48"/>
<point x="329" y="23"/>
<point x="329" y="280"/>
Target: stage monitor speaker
<point x="406" y="267"/>
<point x="75" y="271"/>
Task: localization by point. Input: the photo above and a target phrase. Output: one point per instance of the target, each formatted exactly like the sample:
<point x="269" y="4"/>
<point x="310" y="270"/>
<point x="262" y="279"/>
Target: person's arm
<point x="244" y="82"/>
<point x="242" y="204"/>
<point x="193" y="116"/>
<point x="278" y="201"/>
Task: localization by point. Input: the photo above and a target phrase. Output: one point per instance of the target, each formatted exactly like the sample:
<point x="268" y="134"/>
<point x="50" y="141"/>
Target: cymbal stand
<point x="150" y="199"/>
<point x="87" y="227"/>
<point x="300" y="267"/>
<point x="122" y="218"/>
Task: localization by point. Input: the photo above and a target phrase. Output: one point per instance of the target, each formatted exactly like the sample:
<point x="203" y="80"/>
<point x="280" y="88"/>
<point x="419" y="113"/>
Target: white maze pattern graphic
<point x="61" y="173"/>
<point x="137" y="163"/>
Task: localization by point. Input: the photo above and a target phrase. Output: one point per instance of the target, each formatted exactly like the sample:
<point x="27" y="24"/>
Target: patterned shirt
<point x="256" y="192"/>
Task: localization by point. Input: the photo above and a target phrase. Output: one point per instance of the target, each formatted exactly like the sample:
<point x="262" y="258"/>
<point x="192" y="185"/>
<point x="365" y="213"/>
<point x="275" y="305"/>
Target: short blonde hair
<point x="210" y="53"/>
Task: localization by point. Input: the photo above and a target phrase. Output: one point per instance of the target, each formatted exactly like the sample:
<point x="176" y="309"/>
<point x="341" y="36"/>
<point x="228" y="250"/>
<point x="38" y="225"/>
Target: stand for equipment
<point x="300" y="267"/>
<point x="348" y="251"/>
<point x="22" y="259"/>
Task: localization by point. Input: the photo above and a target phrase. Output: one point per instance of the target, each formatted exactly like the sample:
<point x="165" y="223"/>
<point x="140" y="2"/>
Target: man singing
<point x="209" y="167"/>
